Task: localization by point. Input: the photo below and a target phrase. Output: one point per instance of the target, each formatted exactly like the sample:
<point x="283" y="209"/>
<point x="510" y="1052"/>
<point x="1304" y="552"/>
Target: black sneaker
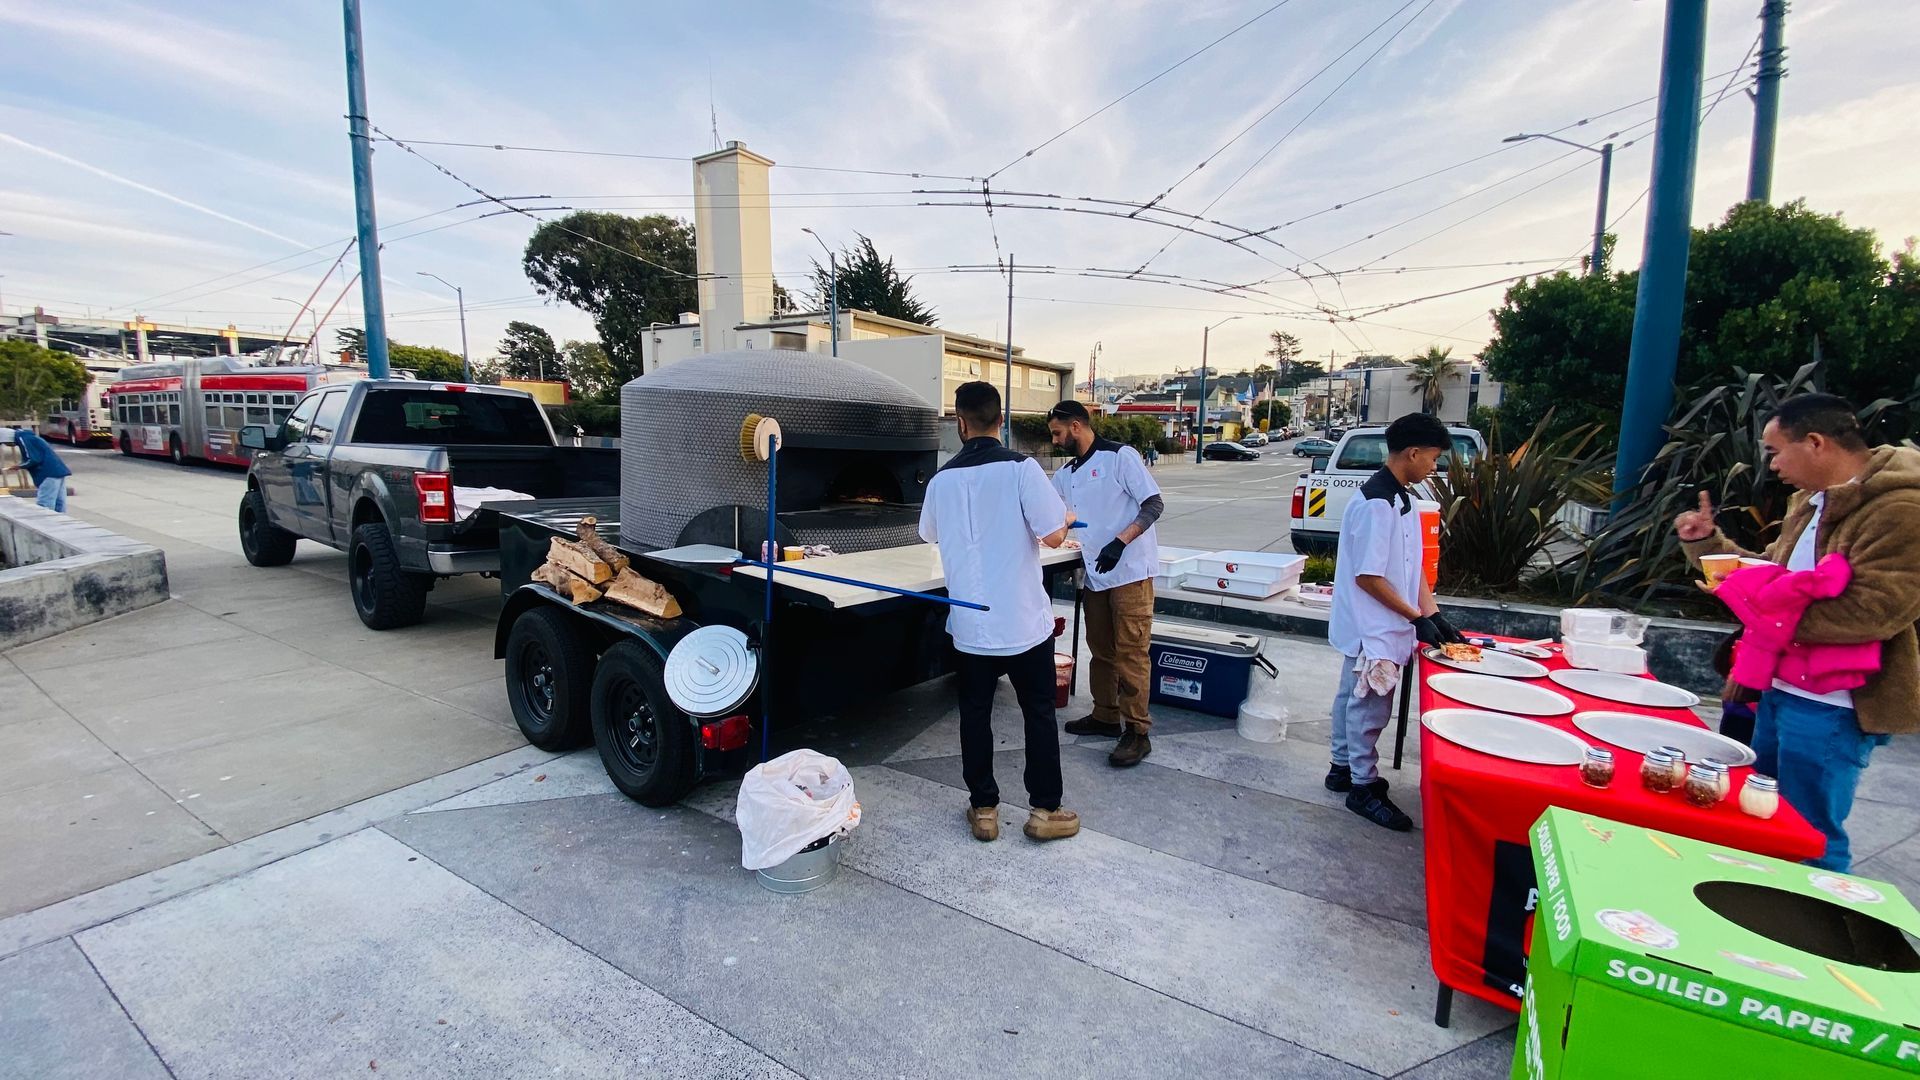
<point x="1339" y="778"/>
<point x="1370" y="801"/>
<point x="1087" y="725"/>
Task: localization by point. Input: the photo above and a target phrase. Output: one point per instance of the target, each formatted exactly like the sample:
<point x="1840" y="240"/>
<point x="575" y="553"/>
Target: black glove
<point x="1448" y="635"/>
<point x="1427" y="632"/>
<point x="1109" y="556"/>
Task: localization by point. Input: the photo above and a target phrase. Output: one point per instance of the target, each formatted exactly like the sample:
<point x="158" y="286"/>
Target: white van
<point x="1320" y="497"/>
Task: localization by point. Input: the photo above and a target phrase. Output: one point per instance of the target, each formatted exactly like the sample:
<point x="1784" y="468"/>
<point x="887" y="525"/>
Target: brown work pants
<point x="1119" y="629"/>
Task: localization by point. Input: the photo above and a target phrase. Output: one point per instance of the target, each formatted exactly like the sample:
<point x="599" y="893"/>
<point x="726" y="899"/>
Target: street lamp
<point x="312" y="318"/>
<point x="833" y="288"/>
<point x="1200" y="424"/>
<point x="466" y="365"/>
<point x="1605" y="150"/>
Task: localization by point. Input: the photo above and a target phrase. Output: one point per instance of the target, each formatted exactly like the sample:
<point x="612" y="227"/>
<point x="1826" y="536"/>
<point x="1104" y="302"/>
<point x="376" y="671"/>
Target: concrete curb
<point x="67" y="573"/>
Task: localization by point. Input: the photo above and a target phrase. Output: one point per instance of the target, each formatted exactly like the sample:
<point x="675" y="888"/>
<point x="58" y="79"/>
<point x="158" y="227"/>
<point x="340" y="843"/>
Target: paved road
<point x="1222" y="505"/>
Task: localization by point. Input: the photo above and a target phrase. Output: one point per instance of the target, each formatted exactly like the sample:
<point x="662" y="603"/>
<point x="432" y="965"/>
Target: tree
<point x="34" y="379"/>
<point x="1275" y="412"/>
<point x="1285" y="351"/>
<point x="353" y="341"/>
<point x="589" y="371"/>
<point x="426" y="362"/>
<point x="1430" y="373"/>
<point x="626" y="272"/>
<point x="1767" y="287"/>
<point x="1300" y="372"/>
<point x="868" y="282"/>
<point x="527" y="352"/>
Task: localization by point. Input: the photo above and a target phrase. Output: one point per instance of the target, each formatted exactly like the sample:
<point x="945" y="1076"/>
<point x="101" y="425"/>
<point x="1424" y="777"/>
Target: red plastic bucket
<point x="1062" y="678"/>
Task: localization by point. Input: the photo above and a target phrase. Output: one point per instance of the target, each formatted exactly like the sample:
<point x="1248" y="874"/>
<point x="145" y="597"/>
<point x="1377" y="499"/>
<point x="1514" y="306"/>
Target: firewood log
<point x="574" y="588"/>
<point x="589" y="532"/>
<point x="643" y="594"/>
<point x="576" y="558"/>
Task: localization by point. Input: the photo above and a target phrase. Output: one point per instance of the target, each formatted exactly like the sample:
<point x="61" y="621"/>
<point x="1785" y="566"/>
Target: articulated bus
<point x="87" y="418"/>
<point x="195" y="408"/>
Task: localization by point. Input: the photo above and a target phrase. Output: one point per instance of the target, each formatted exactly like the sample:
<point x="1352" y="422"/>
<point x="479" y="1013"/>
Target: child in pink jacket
<point x="1769" y="601"/>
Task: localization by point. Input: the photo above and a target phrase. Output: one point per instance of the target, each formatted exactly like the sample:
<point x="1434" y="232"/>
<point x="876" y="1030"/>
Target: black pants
<point x="1031" y="674"/>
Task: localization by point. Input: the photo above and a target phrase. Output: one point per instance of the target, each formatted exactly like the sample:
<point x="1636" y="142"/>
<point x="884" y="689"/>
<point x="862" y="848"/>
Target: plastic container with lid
<point x="1620" y="658"/>
<point x="1608" y="626"/>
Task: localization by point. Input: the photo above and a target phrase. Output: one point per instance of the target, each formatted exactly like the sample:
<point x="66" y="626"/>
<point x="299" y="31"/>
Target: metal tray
<point x="1626" y="689"/>
<point x="1640" y="733"/>
<point x="1503" y="736"/>
<point x="1500" y="695"/>
<point x="1503" y="665"/>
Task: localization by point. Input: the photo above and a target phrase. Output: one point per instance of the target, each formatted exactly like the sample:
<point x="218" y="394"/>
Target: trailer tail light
<point x="1299" y="503"/>
<point x="728" y="734"/>
<point x="435" y="491"/>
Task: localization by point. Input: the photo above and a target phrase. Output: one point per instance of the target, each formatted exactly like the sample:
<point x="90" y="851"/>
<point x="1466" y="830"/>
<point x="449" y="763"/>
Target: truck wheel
<point x="384" y="595"/>
<point x="263" y="542"/>
<point x="549" y="680"/>
<point x="645" y="743"/>
<point x="174" y="451"/>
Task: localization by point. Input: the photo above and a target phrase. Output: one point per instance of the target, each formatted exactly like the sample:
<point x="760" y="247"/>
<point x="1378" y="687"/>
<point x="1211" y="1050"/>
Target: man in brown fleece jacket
<point x="1864" y="503"/>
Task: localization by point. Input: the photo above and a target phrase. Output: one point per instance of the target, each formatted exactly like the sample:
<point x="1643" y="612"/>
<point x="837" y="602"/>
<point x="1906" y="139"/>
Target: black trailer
<point x="597" y="671"/>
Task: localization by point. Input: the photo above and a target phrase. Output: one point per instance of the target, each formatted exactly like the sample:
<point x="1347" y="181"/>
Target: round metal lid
<point x="711" y="671"/>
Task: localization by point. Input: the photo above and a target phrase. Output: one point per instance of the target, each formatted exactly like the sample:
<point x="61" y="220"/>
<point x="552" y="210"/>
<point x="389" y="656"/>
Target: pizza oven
<point x="856" y="451"/>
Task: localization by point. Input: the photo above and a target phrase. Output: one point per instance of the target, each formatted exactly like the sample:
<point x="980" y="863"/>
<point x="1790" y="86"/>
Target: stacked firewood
<point x="589" y="569"/>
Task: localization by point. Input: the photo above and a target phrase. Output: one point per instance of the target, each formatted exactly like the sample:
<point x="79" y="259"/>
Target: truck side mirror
<point x="260" y="437"/>
<point x="1317" y="463"/>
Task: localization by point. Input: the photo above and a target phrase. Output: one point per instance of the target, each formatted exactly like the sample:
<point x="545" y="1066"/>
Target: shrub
<point x="1318" y="568"/>
<point x="1500" y="512"/>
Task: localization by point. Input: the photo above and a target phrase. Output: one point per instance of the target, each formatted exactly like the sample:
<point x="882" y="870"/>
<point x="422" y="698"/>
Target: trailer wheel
<point x="549" y="680"/>
<point x="384" y="595"/>
<point x="261" y="541"/>
<point x="645" y="743"/>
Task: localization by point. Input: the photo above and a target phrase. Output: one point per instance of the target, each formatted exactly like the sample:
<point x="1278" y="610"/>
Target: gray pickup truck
<point x="372" y="467"/>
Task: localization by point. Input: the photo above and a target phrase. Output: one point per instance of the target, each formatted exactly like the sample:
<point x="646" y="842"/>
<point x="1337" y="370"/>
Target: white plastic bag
<point x="1263" y="716"/>
<point x="790" y="802"/>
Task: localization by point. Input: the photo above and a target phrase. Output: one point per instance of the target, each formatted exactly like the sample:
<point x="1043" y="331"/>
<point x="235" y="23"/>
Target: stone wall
<point x="63" y="573"/>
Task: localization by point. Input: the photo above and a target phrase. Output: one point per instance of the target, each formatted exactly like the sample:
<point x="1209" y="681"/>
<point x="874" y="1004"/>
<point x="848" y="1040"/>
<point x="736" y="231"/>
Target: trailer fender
<point x="658" y="635"/>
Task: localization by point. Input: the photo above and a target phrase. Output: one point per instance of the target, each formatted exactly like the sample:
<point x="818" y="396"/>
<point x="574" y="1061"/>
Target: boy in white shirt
<point x="988" y="509"/>
<point x="1382" y="607"/>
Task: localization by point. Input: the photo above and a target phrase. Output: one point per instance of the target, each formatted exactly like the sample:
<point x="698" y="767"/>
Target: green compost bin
<point x="1657" y="955"/>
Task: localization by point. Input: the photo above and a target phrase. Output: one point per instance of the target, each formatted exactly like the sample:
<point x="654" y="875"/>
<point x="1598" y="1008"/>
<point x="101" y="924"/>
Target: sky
<point x="190" y="163"/>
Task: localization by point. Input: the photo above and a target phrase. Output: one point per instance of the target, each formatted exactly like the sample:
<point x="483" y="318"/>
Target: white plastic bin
<point x="1256" y="575"/>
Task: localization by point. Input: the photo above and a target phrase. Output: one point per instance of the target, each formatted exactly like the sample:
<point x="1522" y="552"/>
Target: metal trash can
<point x="805" y="871"/>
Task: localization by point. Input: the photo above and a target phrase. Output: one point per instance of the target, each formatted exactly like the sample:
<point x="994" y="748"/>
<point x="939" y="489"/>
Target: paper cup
<point x="1744" y="563"/>
<point x="1717" y="567"/>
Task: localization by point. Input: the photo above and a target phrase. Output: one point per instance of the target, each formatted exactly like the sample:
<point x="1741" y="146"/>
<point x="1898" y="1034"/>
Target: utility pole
<point x="1605" y="150"/>
<point x="1766" y="98"/>
<point x="1200" y="413"/>
<point x="366" y="229"/>
<point x="1655" y="351"/>
<point x="833" y="290"/>
<point x="466" y="365"/>
<point x="1093" y="369"/>
<point x="1006" y="412"/>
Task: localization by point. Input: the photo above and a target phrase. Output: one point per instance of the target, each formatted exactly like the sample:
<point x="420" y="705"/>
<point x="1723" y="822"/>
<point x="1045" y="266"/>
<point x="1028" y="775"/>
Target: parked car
<point x="1254" y="438"/>
<point x="375" y="468"/>
<point x="1229" y="451"/>
<point x="1320" y="497"/>
<point x="1313" y="448"/>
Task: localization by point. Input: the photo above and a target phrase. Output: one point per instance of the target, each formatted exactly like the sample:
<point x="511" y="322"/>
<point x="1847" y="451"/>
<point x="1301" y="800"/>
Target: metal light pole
<point x="1200" y="427"/>
<point x="1766" y="99"/>
<point x="1605" y="150"/>
<point x="312" y="317"/>
<point x="366" y="228"/>
<point x="1655" y="351"/>
<point x="833" y="289"/>
<point x="1006" y="413"/>
<point x="466" y="365"/>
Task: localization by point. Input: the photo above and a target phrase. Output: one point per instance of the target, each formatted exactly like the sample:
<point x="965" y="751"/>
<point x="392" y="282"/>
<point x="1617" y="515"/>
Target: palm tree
<point x="1430" y="373"/>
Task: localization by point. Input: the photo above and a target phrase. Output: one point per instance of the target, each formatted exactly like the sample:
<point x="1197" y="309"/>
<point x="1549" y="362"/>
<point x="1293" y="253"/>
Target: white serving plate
<point x="1640" y="733"/>
<point x="1504" y="736"/>
<point x="1500" y="695"/>
<point x="1627" y="689"/>
<point x="1500" y="664"/>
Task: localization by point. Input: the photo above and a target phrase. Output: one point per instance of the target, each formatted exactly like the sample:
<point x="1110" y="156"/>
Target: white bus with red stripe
<point x="195" y="408"/>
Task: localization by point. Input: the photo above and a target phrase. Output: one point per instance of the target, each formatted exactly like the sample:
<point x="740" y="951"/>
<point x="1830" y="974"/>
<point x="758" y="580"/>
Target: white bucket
<point x="1261" y="723"/>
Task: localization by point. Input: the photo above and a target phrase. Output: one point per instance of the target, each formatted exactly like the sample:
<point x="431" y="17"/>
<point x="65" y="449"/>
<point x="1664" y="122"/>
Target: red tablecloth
<point x="1476" y="812"/>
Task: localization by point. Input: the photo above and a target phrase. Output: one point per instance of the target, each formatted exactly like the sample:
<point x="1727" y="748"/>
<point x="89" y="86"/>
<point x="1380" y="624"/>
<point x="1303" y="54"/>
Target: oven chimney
<point x="733" y="243"/>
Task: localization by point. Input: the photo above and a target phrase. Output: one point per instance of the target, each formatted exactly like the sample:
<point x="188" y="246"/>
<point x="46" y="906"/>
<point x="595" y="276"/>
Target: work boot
<point x="1370" y="801"/>
<point x="1339" y="778"/>
<point x="1052" y="824"/>
<point x="1134" y="745"/>
<point x="985" y="822"/>
<point x="1087" y="725"/>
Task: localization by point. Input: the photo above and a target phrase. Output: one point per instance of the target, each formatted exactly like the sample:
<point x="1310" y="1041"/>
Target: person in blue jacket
<point x="49" y="473"/>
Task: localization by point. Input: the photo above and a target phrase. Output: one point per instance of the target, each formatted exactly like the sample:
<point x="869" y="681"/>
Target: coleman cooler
<point x="1200" y="668"/>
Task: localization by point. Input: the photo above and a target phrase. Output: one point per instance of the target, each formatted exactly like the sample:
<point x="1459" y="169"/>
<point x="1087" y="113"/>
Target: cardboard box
<point x="1658" y="955"/>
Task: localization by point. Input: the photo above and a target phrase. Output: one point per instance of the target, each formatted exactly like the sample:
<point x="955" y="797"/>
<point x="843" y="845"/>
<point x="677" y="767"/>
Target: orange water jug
<point x="1429" y="540"/>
